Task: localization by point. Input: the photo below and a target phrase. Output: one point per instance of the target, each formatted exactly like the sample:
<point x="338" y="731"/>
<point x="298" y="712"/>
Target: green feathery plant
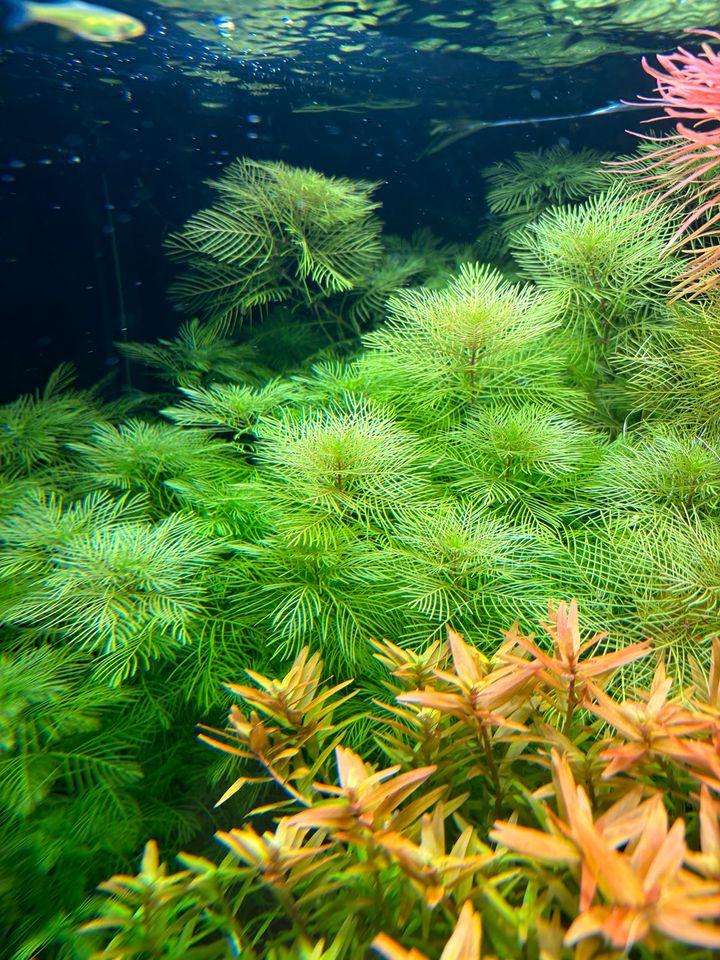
<point x="455" y="560"/>
<point x="229" y="408"/>
<point x="201" y="353"/>
<point x="144" y="458"/>
<point x="520" y="190"/>
<point x="49" y="719"/>
<point x="329" y="469"/>
<point x="476" y="340"/>
<point x="275" y="233"/>
<point x="603" y="260"/>
<point x="529" y="463"/>
<point x="660" y="466"/>
<point x="335" y="598"/>
<point x="440" y="258"/>
<point x="100" y="577"/>
<point x="84" y="774"/>
<point x="36" y="427"/>
<point x="329" y="487"/>
<point x="673" y="369"/>
<point x="665" y="566"/>
<point x="67" y="774"/>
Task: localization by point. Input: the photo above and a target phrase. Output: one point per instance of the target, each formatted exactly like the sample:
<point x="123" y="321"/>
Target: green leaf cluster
<point x="521" y="189"/>
<point x="493" y="445"/>
<point x="283" y="235"/>
<point x="275" y="233"/>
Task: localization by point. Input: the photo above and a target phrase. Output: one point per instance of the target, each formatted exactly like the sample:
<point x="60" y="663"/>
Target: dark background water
<point x="100" y="144"/>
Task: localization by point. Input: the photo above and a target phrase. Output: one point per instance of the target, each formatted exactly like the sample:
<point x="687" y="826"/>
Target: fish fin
<point x="65" y="36"/>
<point x="19" y="16"/>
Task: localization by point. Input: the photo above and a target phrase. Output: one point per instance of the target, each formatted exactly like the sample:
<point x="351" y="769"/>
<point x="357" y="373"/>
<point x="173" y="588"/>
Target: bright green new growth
<point x="146" y="458"/>
<point x="34" y="429"/>
<point x="544" y="178"/>
<point x="674" y="371"/>
<point x="275" y="233"/>
<point x="443" y="350"/>
<point x="228" y="407"/>
<point x="520" y="190"/>
<point x="101" y="577"/>
<point x="338" y="466"/>
<point x="661" y="466"/>
<point x="529" y="463"/>
<point x="604" y="259"/>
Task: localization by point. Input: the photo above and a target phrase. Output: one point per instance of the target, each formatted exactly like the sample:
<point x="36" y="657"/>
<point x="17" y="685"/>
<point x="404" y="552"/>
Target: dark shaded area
<point x="99" y="144"/>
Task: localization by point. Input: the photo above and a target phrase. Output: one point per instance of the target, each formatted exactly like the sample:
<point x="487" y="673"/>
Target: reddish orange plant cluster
<point x="527" y="812"/>
<point x="683" y="169"/>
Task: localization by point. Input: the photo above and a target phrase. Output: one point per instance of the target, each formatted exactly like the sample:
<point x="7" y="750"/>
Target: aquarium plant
<point x="520" y="190"/>
<point x="683" y="166"/>
<point x="495" y="444"/>
<point x="511" y="807"/>
<point x="275" y="233"/>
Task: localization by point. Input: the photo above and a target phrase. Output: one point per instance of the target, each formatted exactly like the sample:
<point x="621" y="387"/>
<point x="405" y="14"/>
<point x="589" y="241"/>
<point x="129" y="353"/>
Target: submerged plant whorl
<point x="604" y="256"/>
<point x="275" y="233"/>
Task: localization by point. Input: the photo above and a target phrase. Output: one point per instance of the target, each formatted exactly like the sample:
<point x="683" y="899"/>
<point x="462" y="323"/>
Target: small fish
<point x="86" y="20"/>
<point x="457" y="130"/>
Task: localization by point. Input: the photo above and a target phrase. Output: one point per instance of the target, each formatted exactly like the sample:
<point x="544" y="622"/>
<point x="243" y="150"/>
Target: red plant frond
<point x="685" y="166"/>
<point x="689" y="88"/>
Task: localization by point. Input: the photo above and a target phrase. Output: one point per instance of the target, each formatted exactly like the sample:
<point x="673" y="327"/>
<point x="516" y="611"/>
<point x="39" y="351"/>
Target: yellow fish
<point x="86" y="20"/>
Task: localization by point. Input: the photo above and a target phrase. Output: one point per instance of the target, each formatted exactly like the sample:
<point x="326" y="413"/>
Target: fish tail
<point x="19" y="15"/>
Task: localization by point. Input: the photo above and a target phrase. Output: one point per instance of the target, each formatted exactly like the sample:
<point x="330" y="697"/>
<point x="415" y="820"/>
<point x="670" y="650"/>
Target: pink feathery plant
<point x="685" y="166"/>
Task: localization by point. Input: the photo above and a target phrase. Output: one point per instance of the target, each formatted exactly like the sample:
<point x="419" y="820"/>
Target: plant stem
<point x="118" y="279"/>
<point x="288" y="905"/>
<point x="572" y="702"/>
<point x="492" y="767"/>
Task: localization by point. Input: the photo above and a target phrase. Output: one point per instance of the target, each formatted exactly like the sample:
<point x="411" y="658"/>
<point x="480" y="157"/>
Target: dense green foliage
<point x="484" y="750"/>
<point x="489" y="446"/>
<point x="520" y="190"/>
<point x="275" y="233"/>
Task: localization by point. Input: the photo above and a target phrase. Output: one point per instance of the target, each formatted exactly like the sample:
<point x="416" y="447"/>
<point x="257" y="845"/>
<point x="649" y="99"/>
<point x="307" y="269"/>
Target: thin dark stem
<point x="288" y="905"/>
<point x="492" y="767"/>
<point x="572" y="702"/>
<point x="118" y="278"/>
